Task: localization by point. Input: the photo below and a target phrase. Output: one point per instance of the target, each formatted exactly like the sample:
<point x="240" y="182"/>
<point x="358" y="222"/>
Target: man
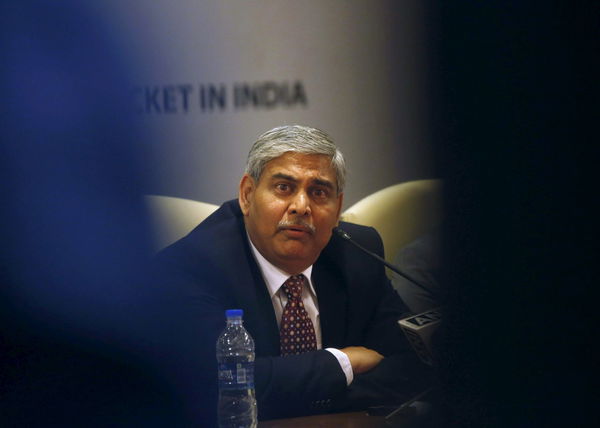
<point x="271" y="252"/>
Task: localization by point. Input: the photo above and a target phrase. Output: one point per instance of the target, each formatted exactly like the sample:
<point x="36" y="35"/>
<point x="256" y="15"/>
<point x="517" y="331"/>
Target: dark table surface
<point x="335" y="420"/>
<point x="346" y="420"/>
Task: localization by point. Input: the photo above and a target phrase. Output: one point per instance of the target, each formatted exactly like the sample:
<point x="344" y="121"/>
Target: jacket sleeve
<point x="296" y="385"/>
<point x="288" y="386"/>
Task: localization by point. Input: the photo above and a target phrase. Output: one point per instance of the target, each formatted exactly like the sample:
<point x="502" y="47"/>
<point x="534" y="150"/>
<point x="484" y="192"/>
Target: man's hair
<point x="297" y="139"/>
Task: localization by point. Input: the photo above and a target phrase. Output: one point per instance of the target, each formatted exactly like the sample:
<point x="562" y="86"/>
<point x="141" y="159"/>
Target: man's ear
<point x="247" y="187"/>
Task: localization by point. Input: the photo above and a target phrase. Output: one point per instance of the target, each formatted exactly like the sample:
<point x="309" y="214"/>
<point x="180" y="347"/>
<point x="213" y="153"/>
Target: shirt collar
<point x="275" y="277"/>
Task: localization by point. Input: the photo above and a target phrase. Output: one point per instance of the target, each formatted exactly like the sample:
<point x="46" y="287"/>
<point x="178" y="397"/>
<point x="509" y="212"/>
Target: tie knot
<point x="293" y="287"/>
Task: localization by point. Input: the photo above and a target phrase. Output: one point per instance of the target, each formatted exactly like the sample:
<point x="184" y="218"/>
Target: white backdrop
<point x="213" y="75"/>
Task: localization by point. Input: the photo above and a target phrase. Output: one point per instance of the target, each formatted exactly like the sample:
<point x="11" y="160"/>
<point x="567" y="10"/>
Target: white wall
<point x="352" y="68"/>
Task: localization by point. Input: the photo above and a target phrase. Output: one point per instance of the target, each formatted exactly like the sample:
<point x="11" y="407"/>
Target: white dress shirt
<point x="274" y="278"/>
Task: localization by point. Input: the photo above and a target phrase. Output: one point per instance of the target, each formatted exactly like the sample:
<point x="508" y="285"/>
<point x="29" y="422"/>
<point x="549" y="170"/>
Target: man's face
<point x="291" y="210"/>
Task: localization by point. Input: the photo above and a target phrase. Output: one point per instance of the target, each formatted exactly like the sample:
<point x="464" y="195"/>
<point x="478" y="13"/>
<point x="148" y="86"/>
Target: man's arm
<point x="297" y="385"/>
<point x="288" y="386"/>
<point x="362" y="359"/>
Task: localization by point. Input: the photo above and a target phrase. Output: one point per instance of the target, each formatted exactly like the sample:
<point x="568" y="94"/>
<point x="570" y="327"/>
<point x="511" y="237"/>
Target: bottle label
<point x="236" y="375"/>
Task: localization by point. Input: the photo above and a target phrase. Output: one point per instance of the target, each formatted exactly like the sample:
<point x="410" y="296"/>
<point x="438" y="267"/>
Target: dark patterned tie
<point x="296" y="332"/>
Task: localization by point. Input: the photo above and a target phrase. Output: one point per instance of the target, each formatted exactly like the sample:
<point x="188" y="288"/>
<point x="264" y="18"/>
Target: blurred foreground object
<point x="77" y="317"/>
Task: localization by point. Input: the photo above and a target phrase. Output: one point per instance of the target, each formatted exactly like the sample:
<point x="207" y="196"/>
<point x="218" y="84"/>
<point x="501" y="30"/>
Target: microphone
<point x="418" y="328"/>
<point x="345" y="236"/>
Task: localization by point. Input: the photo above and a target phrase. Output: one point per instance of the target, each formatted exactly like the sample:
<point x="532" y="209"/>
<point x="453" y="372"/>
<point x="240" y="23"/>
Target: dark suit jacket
<point x="213" y="269"/>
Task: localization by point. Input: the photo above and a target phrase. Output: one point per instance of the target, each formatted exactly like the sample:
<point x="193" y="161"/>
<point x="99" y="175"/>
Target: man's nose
<point x="300" y="204"/>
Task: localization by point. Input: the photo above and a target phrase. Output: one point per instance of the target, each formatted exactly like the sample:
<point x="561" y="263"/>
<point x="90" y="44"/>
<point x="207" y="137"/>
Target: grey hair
<point x="297" y="139"/>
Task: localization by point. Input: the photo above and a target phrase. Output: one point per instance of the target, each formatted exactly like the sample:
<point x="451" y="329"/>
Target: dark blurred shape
<point x="420" y="259"/>
<point x="77" y="318"/>
<point x="513" y="121"/>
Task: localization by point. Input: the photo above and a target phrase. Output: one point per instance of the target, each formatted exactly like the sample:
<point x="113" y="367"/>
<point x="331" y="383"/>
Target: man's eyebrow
<point x="284" y="176"/>
<point x="315" y="181"/>
<point x="325" y="183"/>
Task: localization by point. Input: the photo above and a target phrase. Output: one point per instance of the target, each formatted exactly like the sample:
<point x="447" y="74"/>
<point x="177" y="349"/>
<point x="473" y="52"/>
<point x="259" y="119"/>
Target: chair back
<point x="400" y="213"/>
<point x="172" y="218"/>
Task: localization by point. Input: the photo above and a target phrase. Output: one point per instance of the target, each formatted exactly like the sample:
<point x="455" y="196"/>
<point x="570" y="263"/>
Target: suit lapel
<point x="248" y="289"/>
<point x="333" y="301"/>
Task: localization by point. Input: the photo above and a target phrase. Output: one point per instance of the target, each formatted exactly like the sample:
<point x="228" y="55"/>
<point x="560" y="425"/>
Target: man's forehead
<point x="297" y="165"/>
<point x="302" y="161"/>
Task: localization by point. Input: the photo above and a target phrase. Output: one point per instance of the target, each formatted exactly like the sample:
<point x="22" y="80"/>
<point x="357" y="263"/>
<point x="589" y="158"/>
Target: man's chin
<point x="299" y="256"/>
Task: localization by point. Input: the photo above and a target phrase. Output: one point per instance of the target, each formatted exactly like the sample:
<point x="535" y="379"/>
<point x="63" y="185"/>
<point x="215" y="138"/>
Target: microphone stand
<point x="345" y="236"/>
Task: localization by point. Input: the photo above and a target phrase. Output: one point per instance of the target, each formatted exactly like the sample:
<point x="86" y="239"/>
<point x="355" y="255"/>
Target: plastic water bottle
<point x="235" y="355"/>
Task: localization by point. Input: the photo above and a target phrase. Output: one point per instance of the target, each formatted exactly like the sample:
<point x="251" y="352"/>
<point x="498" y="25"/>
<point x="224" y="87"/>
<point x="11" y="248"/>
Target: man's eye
<point x="282" y="187"/>
<point x="320" y="193"/>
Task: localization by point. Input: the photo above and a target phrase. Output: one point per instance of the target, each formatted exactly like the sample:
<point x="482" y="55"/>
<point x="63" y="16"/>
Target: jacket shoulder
<point x="226" y="221"/>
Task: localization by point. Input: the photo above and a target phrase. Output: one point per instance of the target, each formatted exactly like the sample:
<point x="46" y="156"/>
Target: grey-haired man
<point x="290" y="198"/>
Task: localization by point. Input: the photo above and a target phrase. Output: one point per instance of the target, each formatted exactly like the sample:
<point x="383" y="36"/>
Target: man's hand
<point x="362" y="359"/>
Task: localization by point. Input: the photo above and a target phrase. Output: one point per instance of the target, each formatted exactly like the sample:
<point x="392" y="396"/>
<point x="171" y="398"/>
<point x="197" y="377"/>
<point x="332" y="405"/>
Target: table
<point x="410" y="414"/>
<point x="334" y="420"/>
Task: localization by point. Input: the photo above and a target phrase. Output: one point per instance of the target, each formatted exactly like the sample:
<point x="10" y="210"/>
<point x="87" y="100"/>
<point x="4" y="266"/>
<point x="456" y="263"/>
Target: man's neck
<point x="273" y="275"/>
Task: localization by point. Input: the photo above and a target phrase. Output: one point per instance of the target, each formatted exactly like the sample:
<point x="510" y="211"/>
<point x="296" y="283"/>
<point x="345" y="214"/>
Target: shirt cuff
<point x="344" y="364"/>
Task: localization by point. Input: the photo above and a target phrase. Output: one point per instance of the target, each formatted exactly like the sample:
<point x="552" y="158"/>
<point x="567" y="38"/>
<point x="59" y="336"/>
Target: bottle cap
<point x="232" y="313"/>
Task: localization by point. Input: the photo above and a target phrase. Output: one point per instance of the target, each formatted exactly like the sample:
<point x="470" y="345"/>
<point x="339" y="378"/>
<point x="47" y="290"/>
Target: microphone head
<point x="341" y="233"/>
